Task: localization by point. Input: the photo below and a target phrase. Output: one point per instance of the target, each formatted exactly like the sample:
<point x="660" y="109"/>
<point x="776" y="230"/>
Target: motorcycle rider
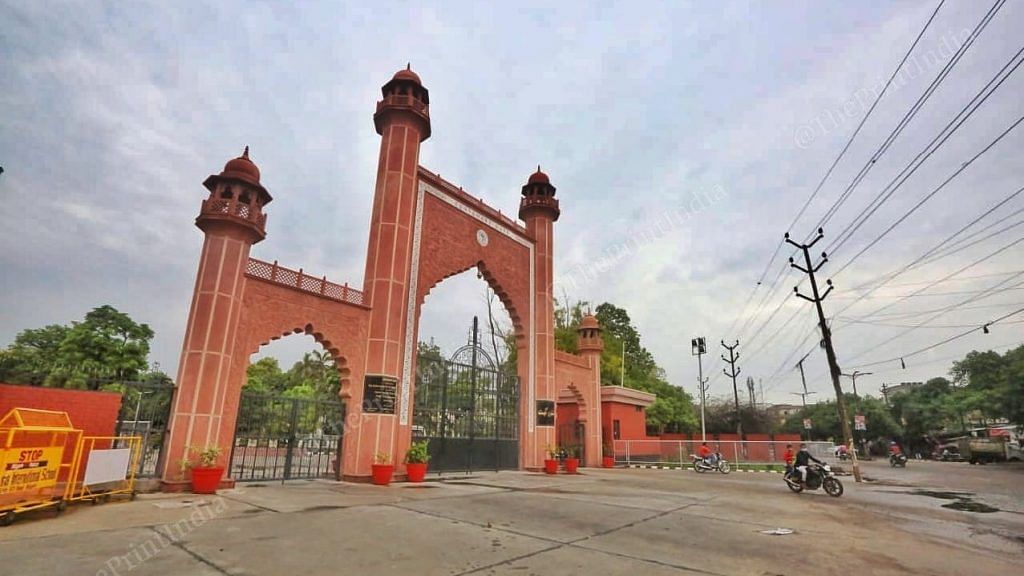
<point x="803" y="459"/>
<point x="705" y="454"/>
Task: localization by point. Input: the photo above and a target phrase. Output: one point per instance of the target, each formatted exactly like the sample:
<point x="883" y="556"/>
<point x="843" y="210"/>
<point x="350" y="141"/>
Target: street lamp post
<point x="853" y="377"/>
<point x="698" y="348"/>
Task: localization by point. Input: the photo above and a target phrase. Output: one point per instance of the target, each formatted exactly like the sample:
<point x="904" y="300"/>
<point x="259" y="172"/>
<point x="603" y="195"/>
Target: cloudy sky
<point x="683" y="139"/>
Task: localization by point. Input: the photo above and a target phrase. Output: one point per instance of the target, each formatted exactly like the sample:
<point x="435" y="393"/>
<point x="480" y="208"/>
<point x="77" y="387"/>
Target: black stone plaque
<point x="379" y="393"/>
<point x="545" y="412"/>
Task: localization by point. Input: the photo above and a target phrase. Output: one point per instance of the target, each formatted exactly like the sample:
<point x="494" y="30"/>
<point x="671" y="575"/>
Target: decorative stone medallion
<point x="481" y="238"/>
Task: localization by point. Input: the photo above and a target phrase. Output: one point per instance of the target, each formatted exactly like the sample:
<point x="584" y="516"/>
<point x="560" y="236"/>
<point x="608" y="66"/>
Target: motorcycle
<point x="898" y="460"/>
<point x="702" y="465"/>
<point x="818" y="476"/>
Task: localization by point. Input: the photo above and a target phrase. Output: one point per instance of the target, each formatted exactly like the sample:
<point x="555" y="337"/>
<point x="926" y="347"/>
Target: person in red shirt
<point x="789" y="456"/>
<point x="894" y="448"/>
<point x="704" y="452"/>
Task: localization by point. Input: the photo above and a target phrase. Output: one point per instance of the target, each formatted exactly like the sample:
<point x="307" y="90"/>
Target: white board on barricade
<point x="107" y="466"/>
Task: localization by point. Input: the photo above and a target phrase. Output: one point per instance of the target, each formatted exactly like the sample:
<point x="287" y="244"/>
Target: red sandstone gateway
<point x="423" y="229"/>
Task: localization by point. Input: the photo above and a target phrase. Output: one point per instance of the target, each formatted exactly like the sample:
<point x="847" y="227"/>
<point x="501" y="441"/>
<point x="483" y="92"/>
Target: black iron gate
<point x="284" y="438"/>
<point x="145" y="412"/>
<point x="468" y="410"/>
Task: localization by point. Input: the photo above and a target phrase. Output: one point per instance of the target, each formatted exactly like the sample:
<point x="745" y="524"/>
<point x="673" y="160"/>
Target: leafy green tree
<point x="265" y="377"/>
<point x="992" y="384"/>
<point x="825" y="419"/>
<point x="106" y="346"/>
<point x="925" y="409"/>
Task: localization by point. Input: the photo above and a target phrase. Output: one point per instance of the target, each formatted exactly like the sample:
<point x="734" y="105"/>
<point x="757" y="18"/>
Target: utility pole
<point x="885" y="393"/>
<point x="803" y="395"/>
<point x="733" y="372"/>
<point x="750" y="392"/>
<point x="854" y="378"/>
<point x="826" y="335"/>
<point x="803" y="398"/>
<point x="698" y="348"/>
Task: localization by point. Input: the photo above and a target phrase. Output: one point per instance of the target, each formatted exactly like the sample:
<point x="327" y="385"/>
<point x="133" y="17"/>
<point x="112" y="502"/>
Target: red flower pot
<point x="608" y="461"/>
<point x="206" y="480"/>
<point x="571" y="464"/>
<point x="416" y="471"/>
<point x="382" y="474"/>
<point x="551" y="466"/>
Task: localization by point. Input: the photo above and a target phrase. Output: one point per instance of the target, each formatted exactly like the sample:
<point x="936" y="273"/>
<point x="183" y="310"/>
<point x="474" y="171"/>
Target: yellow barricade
<point x="33" y="474"/>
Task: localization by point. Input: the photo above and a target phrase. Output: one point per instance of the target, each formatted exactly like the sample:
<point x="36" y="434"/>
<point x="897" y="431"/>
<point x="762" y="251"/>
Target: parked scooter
<point x="818" y="476"/>
<point x="898" y="460"/>
<point x="702" y="465"/>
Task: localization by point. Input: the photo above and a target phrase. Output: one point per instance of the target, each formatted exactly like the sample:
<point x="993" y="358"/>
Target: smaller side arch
<point x="581" y="402"/>
<point x="340" y="361"/>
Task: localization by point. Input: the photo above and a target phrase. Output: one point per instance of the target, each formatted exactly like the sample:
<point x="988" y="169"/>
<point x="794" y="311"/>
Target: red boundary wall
<point x="94" y="413"/>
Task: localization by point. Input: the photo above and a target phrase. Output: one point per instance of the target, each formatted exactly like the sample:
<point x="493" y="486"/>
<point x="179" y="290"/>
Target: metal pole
<point x="622" y="379"/>
<point x="700" y="379"/>
<point x="826" y="335"/>
<point x="733" y="373"/>
<point x="138" y="407"/>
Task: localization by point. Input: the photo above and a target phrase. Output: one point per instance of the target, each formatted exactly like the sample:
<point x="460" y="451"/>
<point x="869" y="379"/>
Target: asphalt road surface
<point x="649" y="522"/>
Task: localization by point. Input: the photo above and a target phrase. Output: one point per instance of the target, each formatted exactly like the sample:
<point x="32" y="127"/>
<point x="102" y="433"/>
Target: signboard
<point x="28" y="471"/>
<point x="107" y="466"/>
<point x="859" y="423"/>
<point x="807" y="423"/>
<point x="545" y="412"/>
<point x="379" y="394"/>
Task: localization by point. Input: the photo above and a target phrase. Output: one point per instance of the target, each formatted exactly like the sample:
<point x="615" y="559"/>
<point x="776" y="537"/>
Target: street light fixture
<point x="698" y="348"/>
<point x="853" y="377"/>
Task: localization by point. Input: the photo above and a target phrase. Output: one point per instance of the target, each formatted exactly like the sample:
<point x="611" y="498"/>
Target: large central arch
<point x="423" y="229"/>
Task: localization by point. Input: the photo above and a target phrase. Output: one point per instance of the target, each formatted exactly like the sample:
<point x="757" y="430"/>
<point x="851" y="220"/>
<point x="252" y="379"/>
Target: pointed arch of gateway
<point x="423" y="229"/>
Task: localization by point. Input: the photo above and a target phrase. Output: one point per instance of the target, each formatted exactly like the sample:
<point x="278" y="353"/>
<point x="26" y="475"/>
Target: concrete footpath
<point x="649" y="522"/>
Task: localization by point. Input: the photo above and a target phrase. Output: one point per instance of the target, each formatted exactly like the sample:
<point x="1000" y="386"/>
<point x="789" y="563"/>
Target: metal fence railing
<point x="677" y="452"/>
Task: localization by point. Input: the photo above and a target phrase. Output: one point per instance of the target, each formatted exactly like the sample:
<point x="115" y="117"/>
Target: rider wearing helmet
<point x="803" y="459"/>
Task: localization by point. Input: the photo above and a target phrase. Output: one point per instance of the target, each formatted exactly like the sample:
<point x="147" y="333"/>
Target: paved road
<point x="649" y="522"/>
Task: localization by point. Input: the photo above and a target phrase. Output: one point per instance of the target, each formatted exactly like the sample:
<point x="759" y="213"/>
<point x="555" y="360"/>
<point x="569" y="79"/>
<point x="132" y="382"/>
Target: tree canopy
<point x="107" y="346"/>
<point x="672" y="411"/>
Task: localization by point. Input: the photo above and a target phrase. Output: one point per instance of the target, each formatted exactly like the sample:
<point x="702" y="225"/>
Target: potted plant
<point x="551" y="462"/>
<point x="608" y="459"/>
<point x="205" y="474"/>
<point x="383" y="469"/>
<point x="572" y="458"/>
<point x="416" y="459"/>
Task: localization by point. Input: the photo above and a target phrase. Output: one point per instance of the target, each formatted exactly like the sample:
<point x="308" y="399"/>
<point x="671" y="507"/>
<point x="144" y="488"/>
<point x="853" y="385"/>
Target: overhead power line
<point x="942" y="342"/>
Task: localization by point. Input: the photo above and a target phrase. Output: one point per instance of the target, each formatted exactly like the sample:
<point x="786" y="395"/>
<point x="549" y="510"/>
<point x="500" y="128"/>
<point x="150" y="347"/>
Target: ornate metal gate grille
<point x="468" y="411"/>
<point x="282" y="438"/>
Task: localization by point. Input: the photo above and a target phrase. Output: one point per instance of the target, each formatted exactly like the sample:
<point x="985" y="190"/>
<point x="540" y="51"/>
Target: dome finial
<point x="408" y="66"/>
<point x="538" y="167"/>
<point x="245" y="153"/>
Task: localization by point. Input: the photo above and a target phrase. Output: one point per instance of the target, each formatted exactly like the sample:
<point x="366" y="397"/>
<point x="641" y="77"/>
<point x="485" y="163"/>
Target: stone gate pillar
<point x="539" y="210"/>
<point x="402" y="119"/>
<point x="590" y="344"/>
<point x="232" y="219"/>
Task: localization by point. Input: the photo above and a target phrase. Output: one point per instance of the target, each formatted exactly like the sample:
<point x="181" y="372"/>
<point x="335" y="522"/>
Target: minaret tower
<point x="539" y="210"/>
<point x="590" y="344"/>
<point x="402" y="119"/>
<point x="232" y="219"/>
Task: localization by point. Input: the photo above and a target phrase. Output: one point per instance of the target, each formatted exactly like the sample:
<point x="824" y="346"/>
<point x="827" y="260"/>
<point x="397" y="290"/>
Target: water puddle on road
<point x="962" y="501"/>
<point x="970" y="506"/>
<point x="944" y="495"/>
